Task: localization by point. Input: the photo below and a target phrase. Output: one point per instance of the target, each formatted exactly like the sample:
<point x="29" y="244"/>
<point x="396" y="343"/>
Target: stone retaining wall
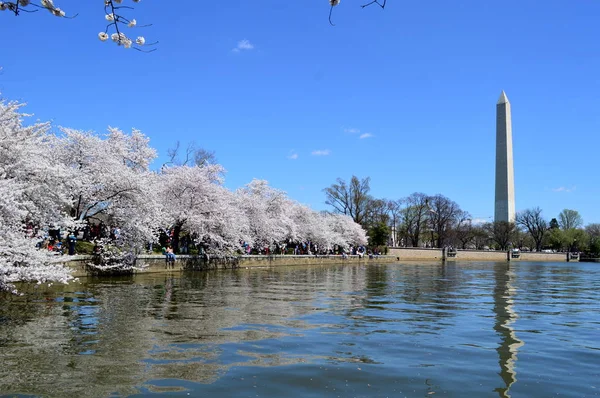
<point x="535" y="256"/>
<point x="413" y="254"/>
<point x="421" y="254"/>
<point x="156" y="263"/>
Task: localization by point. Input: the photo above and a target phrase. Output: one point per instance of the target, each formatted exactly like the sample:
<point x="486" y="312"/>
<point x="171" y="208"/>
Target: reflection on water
<point x="376" y="330"/>
<point x="504" y="294"/>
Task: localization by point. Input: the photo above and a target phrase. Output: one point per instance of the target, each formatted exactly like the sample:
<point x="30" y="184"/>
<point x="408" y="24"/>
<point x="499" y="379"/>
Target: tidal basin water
<point x="375" y="330"/>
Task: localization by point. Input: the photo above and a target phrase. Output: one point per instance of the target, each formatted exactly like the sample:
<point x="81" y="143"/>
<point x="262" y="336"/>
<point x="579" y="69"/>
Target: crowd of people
<point x="56" y="241"/>
<point x="59" y="242"/>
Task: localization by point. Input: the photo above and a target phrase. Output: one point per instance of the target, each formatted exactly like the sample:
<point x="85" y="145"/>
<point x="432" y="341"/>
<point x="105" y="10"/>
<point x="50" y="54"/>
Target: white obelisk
<point x="505" y="176"/>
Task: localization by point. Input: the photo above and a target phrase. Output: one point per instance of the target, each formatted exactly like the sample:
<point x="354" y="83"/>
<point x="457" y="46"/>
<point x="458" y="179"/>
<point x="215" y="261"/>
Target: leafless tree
<point x="535" y="224"/>
<point x="351" y="199"/>
<point x="377" y="212"/>
<point x="502" y="233"/>
<point x="569" y="219"/>
<point x="191" y="156"/>
<point x="593" y="230"/>
<point x="204" y="157"/>
<point x="415" y="215"/>
<point x="443" y="213"/>
<point x="463" y="229"/>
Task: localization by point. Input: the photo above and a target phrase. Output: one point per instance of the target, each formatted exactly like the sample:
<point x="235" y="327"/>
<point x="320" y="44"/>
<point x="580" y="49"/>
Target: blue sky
<point x="418" y="81"/>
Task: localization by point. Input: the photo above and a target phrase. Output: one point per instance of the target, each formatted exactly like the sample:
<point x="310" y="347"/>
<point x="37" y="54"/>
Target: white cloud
<point x="293" y="156"/>
<point x="480" y="220"/>
<point x="321" y="152"/>
<point x="564" y="189"/>
<point x="243" y="45"/>
<point x="353" y="130"/>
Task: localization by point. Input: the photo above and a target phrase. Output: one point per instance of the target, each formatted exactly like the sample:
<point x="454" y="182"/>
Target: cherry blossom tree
<point x="30" y="196"/>
<point x="109" y="180"/>
<point x="352" y="233"/>
<point x="194" y="200"/>
<point x="305" y="225"/>
<point x="340" y="230"/>
<point x="266" y="209"/>
<point x="275" y="219"/>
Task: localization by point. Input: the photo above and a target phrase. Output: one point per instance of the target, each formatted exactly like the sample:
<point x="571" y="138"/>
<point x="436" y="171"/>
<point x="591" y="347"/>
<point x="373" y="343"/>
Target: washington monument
<point x="505" y="178"/>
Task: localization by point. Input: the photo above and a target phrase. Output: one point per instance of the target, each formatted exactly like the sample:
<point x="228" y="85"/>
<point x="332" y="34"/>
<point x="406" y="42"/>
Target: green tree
<point x="573" y="237"/>
<point x="556" y="238"/>
<point x="379" y="234"/>
<point x="575" y="240"/>
<point x="593" y="231"/>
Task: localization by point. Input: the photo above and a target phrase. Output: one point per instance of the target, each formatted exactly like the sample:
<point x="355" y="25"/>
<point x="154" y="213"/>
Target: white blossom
<point x="194" y="199"/>
<point x="69" y="179"/>
<point x="103" y="36"/>
<point x="111" y="178"/>
<point x="110" y="17"/>
<point x="24" y="3"/>
<point x="140" y="41"/>
<point x="3" y="6"/>
<point x="31" y="188"/>
<point x="132" y="23"/>
<point x="334" y="2"/>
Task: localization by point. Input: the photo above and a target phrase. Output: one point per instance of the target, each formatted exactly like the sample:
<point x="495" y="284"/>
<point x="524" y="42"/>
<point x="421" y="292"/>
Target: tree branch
<point x="382" y="5"/>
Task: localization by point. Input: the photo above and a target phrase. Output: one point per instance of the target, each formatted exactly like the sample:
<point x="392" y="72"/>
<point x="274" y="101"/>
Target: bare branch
<point x="333" y="3"/>
<point x="330" y="12"/>
<point x="382" y="5"/>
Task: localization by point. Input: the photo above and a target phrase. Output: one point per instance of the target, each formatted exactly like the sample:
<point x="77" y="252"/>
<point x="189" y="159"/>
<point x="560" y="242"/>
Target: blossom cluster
<point x="117" y="22"/>
<point x="24" y="5"/>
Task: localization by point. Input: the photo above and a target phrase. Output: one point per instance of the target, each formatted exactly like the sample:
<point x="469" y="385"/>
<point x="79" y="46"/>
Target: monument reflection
<point x="504" y="293"/>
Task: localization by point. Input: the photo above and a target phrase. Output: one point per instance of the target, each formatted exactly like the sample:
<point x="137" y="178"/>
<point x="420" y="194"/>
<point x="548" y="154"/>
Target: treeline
<point x="71" y="180"/>
<point x="422" y="220"/>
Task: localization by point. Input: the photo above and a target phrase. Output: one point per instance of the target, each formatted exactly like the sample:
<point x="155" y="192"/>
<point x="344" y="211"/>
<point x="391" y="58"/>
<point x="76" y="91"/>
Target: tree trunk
<point x="176" y="232"/>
